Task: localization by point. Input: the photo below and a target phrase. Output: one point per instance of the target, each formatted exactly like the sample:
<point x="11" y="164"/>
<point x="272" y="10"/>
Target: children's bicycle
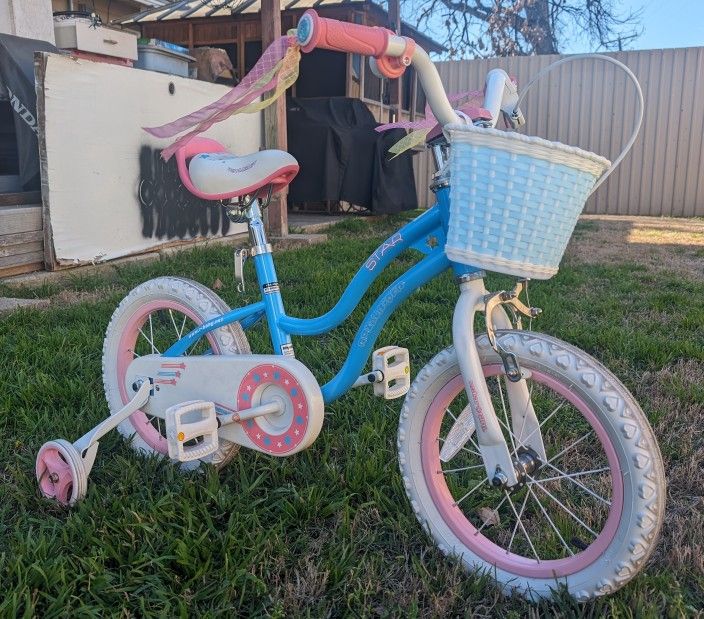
<point x="520" y="454"/>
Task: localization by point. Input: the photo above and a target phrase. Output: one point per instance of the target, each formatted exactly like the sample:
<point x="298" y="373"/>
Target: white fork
<point x="492" y="444"/>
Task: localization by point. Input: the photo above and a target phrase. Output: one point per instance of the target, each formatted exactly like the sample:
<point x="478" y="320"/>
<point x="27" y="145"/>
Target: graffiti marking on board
<point x="168" y="209"/>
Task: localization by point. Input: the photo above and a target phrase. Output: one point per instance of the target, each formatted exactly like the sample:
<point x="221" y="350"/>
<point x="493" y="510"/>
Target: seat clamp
<point x="256" y="250"/>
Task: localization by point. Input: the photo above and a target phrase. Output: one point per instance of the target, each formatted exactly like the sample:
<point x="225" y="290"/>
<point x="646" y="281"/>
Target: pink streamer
<point x="237" y="98"/>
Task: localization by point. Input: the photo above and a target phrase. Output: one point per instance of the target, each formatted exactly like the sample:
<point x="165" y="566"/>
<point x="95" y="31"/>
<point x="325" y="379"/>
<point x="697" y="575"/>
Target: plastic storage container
<point x="158" y="58"/>
<point x="81" y="34"/>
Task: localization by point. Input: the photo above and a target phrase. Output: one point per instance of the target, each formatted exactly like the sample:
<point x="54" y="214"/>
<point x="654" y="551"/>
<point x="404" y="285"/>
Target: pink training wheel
<point x="60" y="472"/>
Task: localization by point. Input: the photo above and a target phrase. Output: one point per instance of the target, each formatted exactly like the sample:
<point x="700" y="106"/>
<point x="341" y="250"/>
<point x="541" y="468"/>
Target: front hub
<point x="524" y="466"/>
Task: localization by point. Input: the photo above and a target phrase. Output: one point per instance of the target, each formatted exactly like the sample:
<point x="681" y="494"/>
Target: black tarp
<point x="17" y="81"/>
<point x="343" y="158"/>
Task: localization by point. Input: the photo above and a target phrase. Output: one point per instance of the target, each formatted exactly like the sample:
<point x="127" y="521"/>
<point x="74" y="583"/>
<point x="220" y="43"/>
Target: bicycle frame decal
<point x="381" y="250"/>
<point x="478" y="407"/>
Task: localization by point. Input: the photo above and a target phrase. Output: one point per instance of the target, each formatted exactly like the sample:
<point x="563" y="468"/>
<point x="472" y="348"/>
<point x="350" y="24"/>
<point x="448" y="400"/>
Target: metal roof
<point x="191" y="9"/>
<point x="153" y="3"/>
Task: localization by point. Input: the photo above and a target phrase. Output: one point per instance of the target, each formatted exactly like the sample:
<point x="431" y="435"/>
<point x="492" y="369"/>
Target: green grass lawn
<point x="328" y="531"/>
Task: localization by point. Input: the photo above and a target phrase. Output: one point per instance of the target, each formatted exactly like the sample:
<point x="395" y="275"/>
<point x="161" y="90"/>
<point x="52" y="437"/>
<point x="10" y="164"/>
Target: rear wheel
<point x="587" y="518"/>
<point x="155" y="315"/>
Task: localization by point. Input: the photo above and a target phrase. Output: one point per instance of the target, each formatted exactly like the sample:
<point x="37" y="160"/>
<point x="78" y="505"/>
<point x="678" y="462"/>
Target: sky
<point x="665" y="23"/>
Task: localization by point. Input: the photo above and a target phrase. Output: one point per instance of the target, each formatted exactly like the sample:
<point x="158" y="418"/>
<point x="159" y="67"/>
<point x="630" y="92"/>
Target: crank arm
<point x="87" y="445"/>
<point x="226" y="415"/>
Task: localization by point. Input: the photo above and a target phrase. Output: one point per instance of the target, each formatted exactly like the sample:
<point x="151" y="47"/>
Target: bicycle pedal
<point x="395" y="365"/>
<point x="191" y="430"/>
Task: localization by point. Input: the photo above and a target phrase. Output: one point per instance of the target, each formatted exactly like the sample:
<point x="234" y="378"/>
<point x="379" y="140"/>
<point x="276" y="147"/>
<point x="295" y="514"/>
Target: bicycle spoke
<point x="471" y="451"/>
<point x="183" y="326"/>
<point x="562" y="505"/>
<point x="580" y="474"/>
<point x="173" y="322"/>
<point x="144" y="335"/>
<point x="520" y="523"/>
<point x="151" y="333"/>
<point x="151" y="419"/>
<point x="515" y="527"/>
<point x="472" y="491"/>
<point x="552" y="524"/>
<point x="577" y="483"/>
<point x="540" y="425"/>
<point x="462" y="468"/>
<point x="566" y="449"/>
<point x="496" y="511"/>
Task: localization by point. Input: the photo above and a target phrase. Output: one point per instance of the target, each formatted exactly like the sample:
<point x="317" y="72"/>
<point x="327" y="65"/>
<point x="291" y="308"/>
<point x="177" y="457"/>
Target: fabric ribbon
<point x="273" y="73"/>
<point x="419" y="129"/>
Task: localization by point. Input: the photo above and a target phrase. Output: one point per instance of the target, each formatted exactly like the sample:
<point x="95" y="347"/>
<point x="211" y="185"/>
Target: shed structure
<point x="236" y="27"/>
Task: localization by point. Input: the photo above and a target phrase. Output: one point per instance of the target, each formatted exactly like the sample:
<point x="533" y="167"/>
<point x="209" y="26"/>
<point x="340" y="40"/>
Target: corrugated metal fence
<point x="591" y="104"/>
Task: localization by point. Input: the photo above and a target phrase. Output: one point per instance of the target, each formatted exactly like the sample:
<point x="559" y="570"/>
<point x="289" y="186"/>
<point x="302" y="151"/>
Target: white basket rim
<point x="528" y="141"/>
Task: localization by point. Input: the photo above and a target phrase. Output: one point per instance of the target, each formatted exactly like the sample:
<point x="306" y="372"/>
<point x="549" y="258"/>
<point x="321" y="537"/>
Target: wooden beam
<point x="40" y="61"/>
<point x="21" y="238"/>
<point x="18" y="219"/>
<point x="395" y="86"/>
<point x="240" y="51"/>
<point x="20" y="269"/>
<point x="274" y="118"/>
<point x="414" y="97"/>
<point x="24" y="197"/>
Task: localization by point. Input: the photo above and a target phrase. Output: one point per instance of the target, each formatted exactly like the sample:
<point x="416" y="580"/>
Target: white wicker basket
<point x="515" y="199"/>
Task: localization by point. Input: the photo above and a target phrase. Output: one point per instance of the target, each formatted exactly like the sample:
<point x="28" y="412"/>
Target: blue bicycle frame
<point x="426" y="233"/>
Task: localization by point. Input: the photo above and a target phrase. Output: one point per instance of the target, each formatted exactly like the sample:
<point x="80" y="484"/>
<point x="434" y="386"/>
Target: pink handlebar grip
<point x="315" y="31"/>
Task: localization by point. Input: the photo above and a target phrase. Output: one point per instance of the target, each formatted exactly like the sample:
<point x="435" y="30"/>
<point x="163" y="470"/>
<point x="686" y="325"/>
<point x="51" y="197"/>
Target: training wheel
<point x="60" y="472"/>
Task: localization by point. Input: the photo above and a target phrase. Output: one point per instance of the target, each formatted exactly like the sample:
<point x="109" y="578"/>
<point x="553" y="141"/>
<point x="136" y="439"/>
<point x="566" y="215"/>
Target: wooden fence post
<point x="274" y="119"/>
<point x="395" y="86"/>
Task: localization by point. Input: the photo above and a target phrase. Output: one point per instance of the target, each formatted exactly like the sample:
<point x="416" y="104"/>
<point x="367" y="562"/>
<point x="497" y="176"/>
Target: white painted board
<point x="103" y="179"/>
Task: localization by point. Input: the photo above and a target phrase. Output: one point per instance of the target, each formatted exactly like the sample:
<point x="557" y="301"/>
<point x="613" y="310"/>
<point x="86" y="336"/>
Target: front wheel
<point x="587" y="518"/>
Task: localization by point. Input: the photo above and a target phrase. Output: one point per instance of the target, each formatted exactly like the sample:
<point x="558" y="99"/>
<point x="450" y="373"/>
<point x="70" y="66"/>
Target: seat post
<point x="257" y="234"/>
<point x="268" y="280"/>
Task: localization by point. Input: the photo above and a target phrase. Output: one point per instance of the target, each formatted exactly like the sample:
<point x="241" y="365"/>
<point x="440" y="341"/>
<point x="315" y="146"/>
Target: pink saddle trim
<point x="197" y="146"/>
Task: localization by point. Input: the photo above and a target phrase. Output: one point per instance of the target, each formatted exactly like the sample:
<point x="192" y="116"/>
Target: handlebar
<point x="393" y="53"/>
<point x="315" y="31"/>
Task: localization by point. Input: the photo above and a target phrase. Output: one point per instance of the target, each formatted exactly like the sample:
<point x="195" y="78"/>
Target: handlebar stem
<point x="501" y="95"/>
